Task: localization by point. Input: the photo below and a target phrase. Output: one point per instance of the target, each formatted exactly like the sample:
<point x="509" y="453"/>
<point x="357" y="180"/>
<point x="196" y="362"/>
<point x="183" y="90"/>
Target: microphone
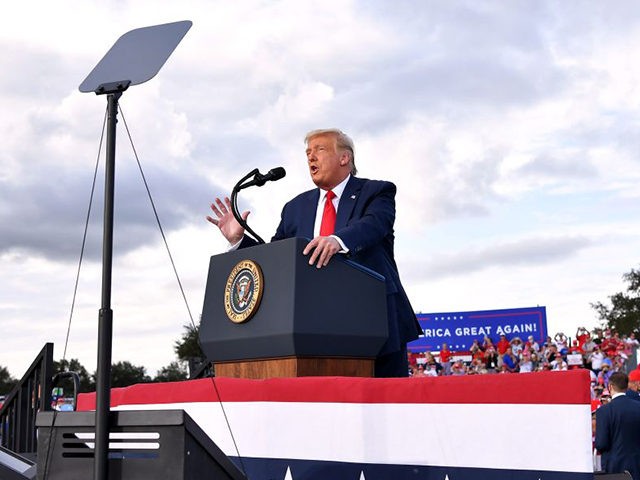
<point x="258" y="179"/>
<point x="275" y="174"/>
<point x="271" y="176"/>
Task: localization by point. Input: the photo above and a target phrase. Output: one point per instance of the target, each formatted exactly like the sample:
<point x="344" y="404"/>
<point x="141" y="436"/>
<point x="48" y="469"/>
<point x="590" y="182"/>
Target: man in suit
<point x="618" y="430"/>
<point x="360" y="214"/>
<point x="634" y="385"/>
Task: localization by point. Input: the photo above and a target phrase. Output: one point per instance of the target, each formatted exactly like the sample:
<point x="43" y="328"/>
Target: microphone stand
<point x="234" y="204"/>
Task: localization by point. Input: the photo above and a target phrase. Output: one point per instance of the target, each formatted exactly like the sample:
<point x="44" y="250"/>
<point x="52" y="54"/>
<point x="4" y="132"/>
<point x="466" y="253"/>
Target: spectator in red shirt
<point x="582" y="335"/>
<point x="503" y="344"/>
<point x="476" y="352"/>
<point x="575" y="347"/>
<point x="609" y="345"/>
<point x="445" y="359"/>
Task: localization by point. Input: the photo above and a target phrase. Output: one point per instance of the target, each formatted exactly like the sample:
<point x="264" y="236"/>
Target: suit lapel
<point x="347" y="202"/>
<point x="309" y="214"/>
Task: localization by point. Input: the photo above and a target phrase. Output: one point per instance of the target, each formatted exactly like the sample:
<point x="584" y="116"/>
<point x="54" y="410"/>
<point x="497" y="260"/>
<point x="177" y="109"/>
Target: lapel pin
<point x="353" y="197"/>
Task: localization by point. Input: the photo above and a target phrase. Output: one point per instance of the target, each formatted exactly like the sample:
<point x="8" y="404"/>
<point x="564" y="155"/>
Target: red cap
<point x="634" y="375"/>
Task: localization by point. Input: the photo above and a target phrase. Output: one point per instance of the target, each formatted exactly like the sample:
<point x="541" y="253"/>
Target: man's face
<point x="327" y="166"/>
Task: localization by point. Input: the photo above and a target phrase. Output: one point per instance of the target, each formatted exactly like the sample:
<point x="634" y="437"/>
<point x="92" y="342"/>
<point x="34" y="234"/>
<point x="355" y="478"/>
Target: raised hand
<point x="225" y="221"/>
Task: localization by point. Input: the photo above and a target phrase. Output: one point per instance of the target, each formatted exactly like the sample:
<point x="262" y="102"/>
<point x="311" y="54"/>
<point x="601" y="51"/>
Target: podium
<point x="304" y="321"/>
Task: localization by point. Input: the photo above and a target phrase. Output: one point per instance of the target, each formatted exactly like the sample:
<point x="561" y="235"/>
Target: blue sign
<point x="459" y="329"/>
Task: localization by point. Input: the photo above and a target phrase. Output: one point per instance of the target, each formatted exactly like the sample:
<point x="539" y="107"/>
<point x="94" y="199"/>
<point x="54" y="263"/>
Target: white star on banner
<point x="288" y="476"/>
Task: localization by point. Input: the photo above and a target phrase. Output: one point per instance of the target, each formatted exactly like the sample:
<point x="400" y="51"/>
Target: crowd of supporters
<point x="602" y="351"/>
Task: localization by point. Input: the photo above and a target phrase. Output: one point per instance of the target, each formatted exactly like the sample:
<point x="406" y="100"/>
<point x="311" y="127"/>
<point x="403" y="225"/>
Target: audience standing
<point x="602" y="352"/>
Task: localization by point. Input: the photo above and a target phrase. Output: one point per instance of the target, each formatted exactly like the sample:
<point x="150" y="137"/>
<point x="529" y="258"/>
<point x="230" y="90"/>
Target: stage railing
<point x="30" y="396"/>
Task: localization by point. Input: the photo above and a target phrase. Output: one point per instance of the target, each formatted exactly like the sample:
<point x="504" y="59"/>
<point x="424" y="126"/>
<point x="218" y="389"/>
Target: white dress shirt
<point x="338" y="191"/>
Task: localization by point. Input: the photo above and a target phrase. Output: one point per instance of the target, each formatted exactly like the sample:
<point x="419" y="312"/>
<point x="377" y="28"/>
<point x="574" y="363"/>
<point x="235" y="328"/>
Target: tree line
<point x="123" y="373"/>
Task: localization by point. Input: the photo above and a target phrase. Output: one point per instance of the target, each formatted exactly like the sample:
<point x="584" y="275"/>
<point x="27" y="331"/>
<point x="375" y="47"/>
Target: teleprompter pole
<point x="105" y="318"/>
<point x="135" y="58"/>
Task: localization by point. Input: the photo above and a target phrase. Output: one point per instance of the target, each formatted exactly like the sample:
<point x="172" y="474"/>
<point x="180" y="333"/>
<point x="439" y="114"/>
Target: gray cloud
<point x="456" y="60"/>
<point x="35" y="73"/>
<point x="527" y="252"/>
<point x="47" y="213"/>
<point x="547" y="166"/>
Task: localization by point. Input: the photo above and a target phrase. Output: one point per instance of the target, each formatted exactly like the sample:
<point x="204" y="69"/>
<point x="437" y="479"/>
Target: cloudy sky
<point x="510" y="127"/>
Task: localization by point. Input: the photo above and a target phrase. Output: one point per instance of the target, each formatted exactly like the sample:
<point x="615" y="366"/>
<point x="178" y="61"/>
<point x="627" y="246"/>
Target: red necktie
<point x="328" y="225"/>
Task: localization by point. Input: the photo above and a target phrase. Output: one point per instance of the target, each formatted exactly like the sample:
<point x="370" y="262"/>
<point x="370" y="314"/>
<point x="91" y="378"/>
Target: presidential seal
<point x="243" y="291"/>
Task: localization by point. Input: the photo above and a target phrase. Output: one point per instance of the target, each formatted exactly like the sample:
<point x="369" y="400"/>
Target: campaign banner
<point x="459" y="329"/>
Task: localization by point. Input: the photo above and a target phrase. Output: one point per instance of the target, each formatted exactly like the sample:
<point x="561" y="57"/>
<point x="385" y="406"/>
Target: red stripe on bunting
<point x="571" y="387"/>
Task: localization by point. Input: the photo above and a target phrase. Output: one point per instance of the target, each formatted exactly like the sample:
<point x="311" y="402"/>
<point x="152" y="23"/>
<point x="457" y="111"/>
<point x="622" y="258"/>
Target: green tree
<point x="188" y="351"/>
<point x="624" y="313"/>
<point x="125" y="373"/>
<point x="188" y="346"/>
<point x="174" y="372"/>
<point x="86" y="380"/>
<point x="7" y="382"/>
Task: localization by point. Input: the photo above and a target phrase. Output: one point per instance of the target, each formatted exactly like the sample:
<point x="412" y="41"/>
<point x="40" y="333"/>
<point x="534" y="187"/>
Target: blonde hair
<point x="343" y="142"/>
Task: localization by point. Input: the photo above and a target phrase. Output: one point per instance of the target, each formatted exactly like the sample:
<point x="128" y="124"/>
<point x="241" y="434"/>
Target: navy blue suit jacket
<point x="364" y="222"/>
<point x="633" y="395"/>
<point x="618" y="435"/>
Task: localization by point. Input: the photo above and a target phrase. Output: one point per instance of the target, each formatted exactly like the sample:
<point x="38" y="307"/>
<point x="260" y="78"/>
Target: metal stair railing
<point x="30" y="396"/>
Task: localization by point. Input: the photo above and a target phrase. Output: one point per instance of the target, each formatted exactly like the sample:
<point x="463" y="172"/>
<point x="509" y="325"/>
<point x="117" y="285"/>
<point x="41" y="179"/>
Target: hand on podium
<point x="323" y="249"/>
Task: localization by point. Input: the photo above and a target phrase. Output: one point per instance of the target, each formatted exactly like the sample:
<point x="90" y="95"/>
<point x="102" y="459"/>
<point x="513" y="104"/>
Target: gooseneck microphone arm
<point x="258" y="180"/>
<point x="234" y="205"/>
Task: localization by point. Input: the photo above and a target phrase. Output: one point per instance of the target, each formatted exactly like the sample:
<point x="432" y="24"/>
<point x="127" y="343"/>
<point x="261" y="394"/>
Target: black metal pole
<point x="105" y="323"/>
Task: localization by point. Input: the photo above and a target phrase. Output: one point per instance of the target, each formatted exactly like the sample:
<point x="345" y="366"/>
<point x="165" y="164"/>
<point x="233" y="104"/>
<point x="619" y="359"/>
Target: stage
<point x="533" y="426"/>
